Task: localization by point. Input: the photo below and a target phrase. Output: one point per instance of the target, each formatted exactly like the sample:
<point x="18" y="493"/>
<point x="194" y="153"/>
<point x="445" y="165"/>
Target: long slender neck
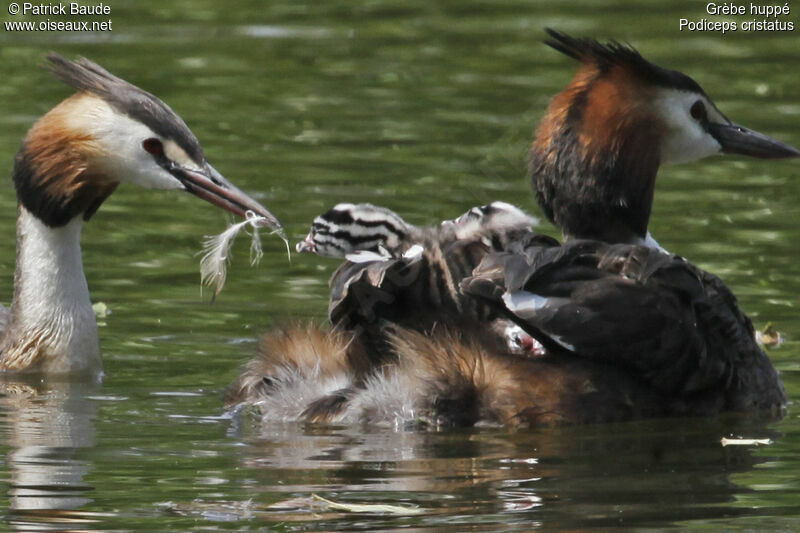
<point x="606" y="196"/>
<point x="53" y="327"/>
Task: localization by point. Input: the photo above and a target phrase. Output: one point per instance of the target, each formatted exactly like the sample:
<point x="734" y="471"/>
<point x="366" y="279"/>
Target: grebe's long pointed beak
<point x="736" y="139"/>
<point x="212" y="186"/>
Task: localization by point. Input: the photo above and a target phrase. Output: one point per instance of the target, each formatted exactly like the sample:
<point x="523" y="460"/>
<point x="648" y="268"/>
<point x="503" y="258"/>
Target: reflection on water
<point x="47" y="425"/>
<point x="596" y="476"/>
<point x="426" y="107"/>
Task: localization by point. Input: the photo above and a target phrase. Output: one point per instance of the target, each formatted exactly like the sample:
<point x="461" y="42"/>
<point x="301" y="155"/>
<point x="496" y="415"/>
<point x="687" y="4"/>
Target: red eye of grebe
<point x="153" y="146"/>
<point x="698" y="110"/>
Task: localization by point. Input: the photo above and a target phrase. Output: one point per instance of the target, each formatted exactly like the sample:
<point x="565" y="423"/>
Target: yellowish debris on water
<point x="369" y="507"/>
<point x="744" y="442"/>
<point x="769" y="336"/>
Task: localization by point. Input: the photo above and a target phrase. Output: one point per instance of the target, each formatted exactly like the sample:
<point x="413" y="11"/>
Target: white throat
<point x="53" y="326"/>
<point x="650" y="242"/>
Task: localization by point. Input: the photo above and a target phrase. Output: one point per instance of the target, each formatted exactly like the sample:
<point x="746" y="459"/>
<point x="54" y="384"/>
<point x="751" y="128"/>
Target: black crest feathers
<point x="86" y="75"/>
<point x="607" y="55"/>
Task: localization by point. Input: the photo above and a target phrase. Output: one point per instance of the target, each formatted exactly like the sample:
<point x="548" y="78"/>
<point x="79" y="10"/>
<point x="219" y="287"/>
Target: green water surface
<point x="427" y="108"/>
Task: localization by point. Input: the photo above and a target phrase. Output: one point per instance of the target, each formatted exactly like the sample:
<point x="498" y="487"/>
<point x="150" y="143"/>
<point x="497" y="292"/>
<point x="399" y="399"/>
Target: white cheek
<point x="684" y="138"/>
<point x="133" y="165"/>
<point x="688" y="144"/>
<point x="125" y="160"/>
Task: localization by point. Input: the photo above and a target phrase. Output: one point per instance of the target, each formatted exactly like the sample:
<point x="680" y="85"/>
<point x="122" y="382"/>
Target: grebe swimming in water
<point x="71" y="160"/>
<point x="628" y="330"/>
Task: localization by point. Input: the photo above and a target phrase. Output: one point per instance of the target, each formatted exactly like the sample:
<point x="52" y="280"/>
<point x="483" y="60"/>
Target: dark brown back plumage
<point x="677" y="327"/>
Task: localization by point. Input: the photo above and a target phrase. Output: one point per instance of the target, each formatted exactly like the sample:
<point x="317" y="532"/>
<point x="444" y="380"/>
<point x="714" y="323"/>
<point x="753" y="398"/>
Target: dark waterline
<point x="426" y="108"/>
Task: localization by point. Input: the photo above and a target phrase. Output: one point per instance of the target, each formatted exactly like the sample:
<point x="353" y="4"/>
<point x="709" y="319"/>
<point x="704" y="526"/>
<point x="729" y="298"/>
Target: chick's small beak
<point x="307" y="244"/>
<point x="212" y="186"/>
<point x="736" y="139"/>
